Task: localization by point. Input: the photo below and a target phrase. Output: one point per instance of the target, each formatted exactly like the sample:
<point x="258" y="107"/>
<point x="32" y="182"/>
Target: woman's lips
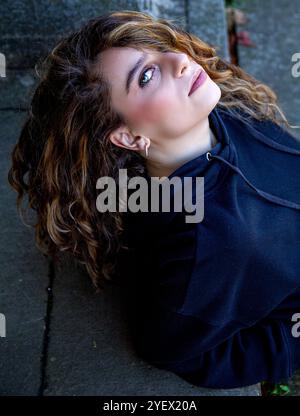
<point x="198" y="82"/>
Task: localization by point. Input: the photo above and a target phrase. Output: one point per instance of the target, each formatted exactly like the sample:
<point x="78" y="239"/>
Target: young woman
<point x="214" y="301"/>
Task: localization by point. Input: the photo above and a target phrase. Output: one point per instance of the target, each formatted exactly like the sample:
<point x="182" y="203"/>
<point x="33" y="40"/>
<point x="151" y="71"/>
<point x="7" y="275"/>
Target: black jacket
<point x="213" y="301"/>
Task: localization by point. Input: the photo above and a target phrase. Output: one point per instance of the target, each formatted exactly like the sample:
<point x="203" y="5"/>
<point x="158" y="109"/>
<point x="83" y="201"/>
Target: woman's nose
<point x="183" y="63"/>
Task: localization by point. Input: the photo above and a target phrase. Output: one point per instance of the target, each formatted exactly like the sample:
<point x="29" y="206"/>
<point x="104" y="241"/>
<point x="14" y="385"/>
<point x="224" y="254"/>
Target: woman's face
<point x="157" y="104"/>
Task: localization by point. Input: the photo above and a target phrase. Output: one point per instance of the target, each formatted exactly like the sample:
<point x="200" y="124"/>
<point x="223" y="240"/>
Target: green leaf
<point x="280" y="389"/>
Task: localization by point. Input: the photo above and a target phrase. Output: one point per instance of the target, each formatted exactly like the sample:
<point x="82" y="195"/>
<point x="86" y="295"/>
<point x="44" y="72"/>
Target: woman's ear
<point x="123" y="137"/>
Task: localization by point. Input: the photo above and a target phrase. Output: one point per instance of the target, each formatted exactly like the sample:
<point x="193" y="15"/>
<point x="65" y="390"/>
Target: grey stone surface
<point x="274" y="26"/>
<point x="23" y="283"/>
<point x="206" y="19"/>
<point x="17" y="88"/>
<point x="88" y="350"/>
<point x="30" y="29"/>
<point x="294" y="385"/>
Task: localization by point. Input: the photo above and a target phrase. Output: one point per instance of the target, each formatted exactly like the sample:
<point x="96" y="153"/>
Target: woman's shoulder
<point x="277" y="132"/>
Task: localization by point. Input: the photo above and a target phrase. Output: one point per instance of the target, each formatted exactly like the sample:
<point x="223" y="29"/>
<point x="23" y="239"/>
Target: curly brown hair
<point x="64" y="144"/>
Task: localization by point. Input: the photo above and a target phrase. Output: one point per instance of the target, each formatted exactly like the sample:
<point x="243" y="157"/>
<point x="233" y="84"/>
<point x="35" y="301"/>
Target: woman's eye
<point x="145" y="76"/>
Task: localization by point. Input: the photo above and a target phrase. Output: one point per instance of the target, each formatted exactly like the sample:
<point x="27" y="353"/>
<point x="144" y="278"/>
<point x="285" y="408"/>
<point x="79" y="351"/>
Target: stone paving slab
<point x="90" y="351"/>
<point x="87" y="350"/>
<point x="30" y="29"/>
<point x="23" y="283"/>
<point x="274" y="26"/>
<point x="206" y="19"/>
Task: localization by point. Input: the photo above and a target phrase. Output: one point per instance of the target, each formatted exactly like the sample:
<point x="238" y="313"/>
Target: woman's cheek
<point x="153" y="111"/>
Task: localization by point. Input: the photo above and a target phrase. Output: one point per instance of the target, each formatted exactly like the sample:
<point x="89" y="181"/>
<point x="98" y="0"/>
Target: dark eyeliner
<point x="142" y="75"/>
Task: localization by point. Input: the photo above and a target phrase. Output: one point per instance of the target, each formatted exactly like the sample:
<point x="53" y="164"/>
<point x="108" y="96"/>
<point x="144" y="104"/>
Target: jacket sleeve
<point x="227" y="354"/>
<point x="216" y="357"/>
<point x="279" y="134"/>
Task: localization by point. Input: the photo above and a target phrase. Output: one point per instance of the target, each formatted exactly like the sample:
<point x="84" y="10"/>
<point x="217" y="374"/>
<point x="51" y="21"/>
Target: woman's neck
<point x="164" y="166"/>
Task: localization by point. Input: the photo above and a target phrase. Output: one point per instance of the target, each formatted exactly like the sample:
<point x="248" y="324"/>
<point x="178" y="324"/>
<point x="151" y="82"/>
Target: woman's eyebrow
<point x="134" y="69"/>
